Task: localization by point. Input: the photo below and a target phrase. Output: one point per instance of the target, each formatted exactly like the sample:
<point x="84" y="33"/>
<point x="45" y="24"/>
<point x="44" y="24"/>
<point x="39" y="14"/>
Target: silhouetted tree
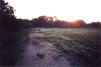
<point x="77" y="23"/>
<point x="7" y="18"/>
<point x="48" y="22"/>
<point x="81" y="23"/>
<point x="8" y="26"/>
<point x="24" y="24"/>
<point x="53" y="22"/>
<point x="95" y="24"/>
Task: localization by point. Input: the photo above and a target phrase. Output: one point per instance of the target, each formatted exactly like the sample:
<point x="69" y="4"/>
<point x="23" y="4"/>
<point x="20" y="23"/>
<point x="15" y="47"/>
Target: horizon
<point x="68" y="10"/>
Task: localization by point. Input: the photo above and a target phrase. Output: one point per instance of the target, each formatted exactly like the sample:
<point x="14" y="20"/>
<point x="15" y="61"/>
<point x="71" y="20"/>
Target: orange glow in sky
<point x="87" y="10"/>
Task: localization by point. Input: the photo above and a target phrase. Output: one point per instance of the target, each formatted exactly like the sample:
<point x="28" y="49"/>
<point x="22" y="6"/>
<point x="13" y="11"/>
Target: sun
<point x="72" y="20"/>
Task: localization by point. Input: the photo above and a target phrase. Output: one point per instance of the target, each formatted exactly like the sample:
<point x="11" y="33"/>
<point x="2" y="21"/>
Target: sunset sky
<point x="88" y="10"/>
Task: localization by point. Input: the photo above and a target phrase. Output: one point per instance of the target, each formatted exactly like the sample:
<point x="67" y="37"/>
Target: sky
<point x="70" y="10"/>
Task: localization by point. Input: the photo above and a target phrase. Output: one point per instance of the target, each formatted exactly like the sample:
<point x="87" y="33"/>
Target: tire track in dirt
<point x="42" y="54"/>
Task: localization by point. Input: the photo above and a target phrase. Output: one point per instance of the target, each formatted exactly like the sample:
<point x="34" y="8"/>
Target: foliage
<point x="53" y="22"/>
<point x="7" y="18"/>
<point x="9" y="39"/>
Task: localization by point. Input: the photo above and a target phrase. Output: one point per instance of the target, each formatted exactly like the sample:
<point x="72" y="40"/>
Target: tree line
<point x="53" y="22"/>
<point x="9" y="23"/>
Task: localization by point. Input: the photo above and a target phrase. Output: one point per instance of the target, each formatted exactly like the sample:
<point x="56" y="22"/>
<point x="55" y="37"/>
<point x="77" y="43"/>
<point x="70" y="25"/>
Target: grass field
<point x="80" y="46"/>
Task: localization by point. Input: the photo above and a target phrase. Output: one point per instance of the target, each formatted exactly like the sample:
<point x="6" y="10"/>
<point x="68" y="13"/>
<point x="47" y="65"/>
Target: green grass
<point x="82" y="45"/>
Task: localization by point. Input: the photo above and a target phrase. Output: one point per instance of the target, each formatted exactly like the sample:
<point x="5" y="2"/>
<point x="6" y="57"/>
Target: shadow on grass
<point x="11" y="46"/>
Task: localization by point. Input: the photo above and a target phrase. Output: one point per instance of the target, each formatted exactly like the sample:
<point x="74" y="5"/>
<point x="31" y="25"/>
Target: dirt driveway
<point x="41" y="54"/>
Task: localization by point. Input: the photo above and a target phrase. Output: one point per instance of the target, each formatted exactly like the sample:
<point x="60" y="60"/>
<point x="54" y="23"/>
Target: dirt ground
<point x="41" y="54"/>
